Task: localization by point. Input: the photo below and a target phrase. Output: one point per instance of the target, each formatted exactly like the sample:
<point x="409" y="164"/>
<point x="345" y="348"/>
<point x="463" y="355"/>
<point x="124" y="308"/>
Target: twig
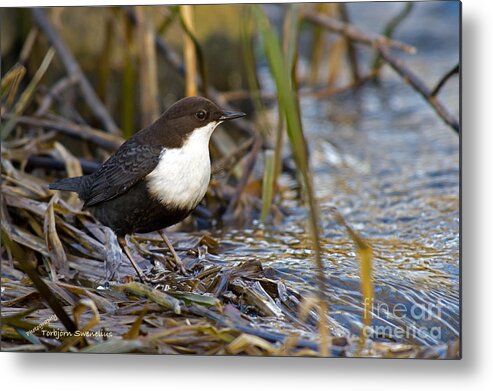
<point x="267" y="335"/>
<point x="242" y="94"/>
<point x="41" y="286"/>
<point x="353" y="33"/>
<point x="389" y="31"/>
<point x="55" y="92"/>
<point x="74" y="70"/>
<point x="27" y="94"/>
<point x="175" y="61"/>
<point x="443" y="80"/>
<point x="229" y="161"/>
<point x="97" y="137"/>
<point x="383" y="45"/>
<point x="249" y="165"/>
<point x="351" y="50"/>
<point x="419" y="87"/>
<point x="28" y="45"/>
<point x="170" y="303"/>
<point x="329" y="91"/>
<point x="171" y="57"/>
<point x="88" y="166"/>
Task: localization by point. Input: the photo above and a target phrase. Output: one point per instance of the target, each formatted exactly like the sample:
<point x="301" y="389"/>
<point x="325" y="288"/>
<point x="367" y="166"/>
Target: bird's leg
<point x="178" y="262"/>
<point x="138" y="270"/>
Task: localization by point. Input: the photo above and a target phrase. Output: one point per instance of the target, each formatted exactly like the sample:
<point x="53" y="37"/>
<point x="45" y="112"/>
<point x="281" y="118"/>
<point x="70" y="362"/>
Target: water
<point x="384" y="159"/>
<point x="396" y="180"/>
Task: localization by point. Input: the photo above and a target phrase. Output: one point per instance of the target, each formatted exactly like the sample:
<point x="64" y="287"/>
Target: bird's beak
<point x="227" y="115"/>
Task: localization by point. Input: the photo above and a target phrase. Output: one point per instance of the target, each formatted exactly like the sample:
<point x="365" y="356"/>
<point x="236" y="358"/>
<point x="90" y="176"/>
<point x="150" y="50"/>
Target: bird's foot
<point x="142" y="277"/>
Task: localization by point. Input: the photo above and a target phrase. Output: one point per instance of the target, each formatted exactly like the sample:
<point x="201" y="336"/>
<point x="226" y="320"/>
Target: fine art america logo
<point x="416" y="312"/>
<point x="395" y="312"/>
<point x="59" y="333"/>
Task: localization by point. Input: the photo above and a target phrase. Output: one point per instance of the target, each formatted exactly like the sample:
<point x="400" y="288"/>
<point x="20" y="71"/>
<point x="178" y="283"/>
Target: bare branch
<point x="351" y="50"/>
<point x="56" y="91"/>
<point x="383" y="45"/>
<point x="175" y="61"/>
<point x="249" y="166"/>
<point x="443" y="80"/>
<point x="226" y="163"/>
<point x="95" y="136"/>
<point x="74" y="70"/>
<point x="353" y="33"/>
<point x="390" y="28"/>
<point x="419" y="86"/>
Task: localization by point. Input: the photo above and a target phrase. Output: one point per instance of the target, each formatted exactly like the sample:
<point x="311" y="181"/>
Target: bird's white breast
<point x="182" y="175"/>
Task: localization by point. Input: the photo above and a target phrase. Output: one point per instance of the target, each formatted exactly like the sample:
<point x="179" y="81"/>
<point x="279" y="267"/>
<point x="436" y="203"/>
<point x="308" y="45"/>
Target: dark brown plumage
<point x="133" y="190"/>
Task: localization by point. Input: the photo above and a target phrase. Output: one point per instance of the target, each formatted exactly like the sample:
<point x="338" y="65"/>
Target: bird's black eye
<point x="201" y="114"/>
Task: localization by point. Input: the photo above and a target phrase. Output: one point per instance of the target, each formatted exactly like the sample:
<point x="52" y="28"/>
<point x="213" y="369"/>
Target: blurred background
<point x="110" y="48"/>
<point x="353" y="106"/>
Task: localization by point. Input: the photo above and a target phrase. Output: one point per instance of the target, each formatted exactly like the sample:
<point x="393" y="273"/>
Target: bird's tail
<point x="67" y="184"/>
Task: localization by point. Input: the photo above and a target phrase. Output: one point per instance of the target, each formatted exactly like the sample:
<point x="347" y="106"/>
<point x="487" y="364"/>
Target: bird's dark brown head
<point x="188" y="116"/>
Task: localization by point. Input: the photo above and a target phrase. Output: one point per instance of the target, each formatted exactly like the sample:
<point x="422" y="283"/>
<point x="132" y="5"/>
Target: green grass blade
<point x="288" y="103"/>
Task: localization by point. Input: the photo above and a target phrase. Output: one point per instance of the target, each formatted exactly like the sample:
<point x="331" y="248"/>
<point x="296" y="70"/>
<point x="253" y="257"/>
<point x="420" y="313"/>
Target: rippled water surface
<point x="384" y="159"/>
<point x="395" y="178"/>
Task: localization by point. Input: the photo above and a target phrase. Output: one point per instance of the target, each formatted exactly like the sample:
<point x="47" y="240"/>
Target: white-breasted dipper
<point x="157" y="177"/>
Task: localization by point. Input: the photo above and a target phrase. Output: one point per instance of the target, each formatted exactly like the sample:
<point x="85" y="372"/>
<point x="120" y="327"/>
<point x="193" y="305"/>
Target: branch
<point x="383" y="45"/>
<point x="443" y="80"/>
<point x="228" y="162"/>
<point x="54" y="93"/>
<point x="353" y="33"/>
<point x="419" y="87"/>
<point x="36" y="161"/>
<point x="389" y="30"/>
<point x="174" y="60"/>
<point x="95" y="136"/>
<point x="351" y="50"/>
<point x="74" y="71"/>
<point x="249" y="166"/>
<point x="268" y="335"/>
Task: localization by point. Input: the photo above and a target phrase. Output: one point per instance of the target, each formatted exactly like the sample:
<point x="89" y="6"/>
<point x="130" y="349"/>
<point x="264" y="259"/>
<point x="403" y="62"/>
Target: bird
<point x="157" y="177"/>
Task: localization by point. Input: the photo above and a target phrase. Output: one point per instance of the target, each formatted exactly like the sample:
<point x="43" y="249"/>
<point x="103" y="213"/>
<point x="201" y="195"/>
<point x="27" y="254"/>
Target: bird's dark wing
<point x="130" y="164"/>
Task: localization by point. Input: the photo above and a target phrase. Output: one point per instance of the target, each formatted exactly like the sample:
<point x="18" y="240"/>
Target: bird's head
<point x="196" y="116"/>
